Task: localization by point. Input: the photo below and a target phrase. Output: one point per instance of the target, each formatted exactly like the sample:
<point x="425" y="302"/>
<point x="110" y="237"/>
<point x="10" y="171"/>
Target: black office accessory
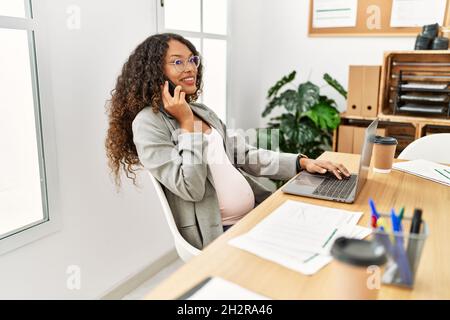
<point x="422" y="91"/>
<point x="440" y="43"/>
<point x="416" y="221"/>
<point x="413" y="243"/>
<point x="171" y="86"/>
<point x="423" y="42"/>
<point x="430" y="30"/>
<point x="428" y="39"/>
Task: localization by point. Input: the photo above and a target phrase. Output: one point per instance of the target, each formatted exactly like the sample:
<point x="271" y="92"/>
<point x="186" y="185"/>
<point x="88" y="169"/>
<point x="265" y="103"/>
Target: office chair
<point x="435" y="147"/>
<point x="185" y="250"/>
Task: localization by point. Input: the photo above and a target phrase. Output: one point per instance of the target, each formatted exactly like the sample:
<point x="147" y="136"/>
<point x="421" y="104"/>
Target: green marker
<point x="400" y="215"/>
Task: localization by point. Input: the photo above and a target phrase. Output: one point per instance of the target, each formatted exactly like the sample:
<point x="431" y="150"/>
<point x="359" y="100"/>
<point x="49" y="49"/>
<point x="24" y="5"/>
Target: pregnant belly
<point x="235" y="195"/>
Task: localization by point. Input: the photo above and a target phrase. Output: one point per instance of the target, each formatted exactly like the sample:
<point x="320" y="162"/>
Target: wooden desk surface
<point x="272" y="280"/>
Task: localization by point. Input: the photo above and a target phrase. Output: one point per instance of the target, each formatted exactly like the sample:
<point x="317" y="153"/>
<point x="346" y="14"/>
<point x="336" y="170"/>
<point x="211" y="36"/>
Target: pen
<point x="416" y="221"/>
<point x="413" y="245"/>
<point x="373" y="221"/>
<point x="372" y="207"/>
<point x="382" y="224"/>
<point x="400" y="218"/>
<point x="402" y="212"/>
<point x="446" y="171"/>
<point x="442" y="174"/>
<point x="375" y="216"/>
<point x="394" y="221"/>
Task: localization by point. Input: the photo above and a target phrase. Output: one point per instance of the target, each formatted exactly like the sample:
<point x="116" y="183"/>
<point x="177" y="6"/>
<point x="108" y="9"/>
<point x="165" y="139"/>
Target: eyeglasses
<point x="180" y="65"/>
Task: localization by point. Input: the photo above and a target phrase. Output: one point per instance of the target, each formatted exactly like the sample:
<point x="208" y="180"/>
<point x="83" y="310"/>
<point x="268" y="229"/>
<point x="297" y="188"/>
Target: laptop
<point x="327" y="186"/>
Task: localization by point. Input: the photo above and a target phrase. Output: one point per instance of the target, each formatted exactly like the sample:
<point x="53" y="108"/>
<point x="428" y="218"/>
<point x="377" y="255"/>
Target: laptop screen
<point x="366" y="155"/>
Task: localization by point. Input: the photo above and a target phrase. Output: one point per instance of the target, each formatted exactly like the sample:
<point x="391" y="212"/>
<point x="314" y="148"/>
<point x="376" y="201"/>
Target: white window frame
<point x="202" y="35"/>
<point x="45" y="130"/>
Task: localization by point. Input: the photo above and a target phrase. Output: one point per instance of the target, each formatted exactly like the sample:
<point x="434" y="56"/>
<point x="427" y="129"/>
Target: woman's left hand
<point x="322" y="166"/>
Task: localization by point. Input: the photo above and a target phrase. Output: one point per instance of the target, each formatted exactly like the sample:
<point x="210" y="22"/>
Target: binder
<point x="355" y="94"/>
<point x="363" y="90"/>
<point x="371" y="89"/>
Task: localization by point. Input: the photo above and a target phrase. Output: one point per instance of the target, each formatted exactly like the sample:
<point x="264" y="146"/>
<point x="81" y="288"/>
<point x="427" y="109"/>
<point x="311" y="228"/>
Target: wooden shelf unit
<point x="420" y="123"/>
<point x="406" y="128"/>
<point x="433" y="62"/>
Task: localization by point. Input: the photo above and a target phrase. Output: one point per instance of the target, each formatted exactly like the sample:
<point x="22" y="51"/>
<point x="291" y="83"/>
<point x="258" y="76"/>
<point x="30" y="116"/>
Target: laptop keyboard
<point x="335" y="188"/>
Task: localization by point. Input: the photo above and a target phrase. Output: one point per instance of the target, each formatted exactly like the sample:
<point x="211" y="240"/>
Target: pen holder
<point x="403" y="251"/>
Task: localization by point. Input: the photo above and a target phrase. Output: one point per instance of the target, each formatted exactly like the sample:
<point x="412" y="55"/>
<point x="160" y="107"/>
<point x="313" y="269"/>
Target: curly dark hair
<point x="138" y="86"/>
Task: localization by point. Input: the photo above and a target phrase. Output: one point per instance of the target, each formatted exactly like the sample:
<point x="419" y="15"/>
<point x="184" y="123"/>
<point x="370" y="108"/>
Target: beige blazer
<point x="176" y="160"/>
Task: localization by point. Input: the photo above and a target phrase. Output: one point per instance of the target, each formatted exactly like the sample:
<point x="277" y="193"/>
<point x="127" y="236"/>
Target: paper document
<point x="425" y="169"/>
<point x="220" y="289"/>
<point x="419" y="85"/>
<point x="334" y="13"/>
<point x="417" y="13"/>
<point x="299" y="236"/>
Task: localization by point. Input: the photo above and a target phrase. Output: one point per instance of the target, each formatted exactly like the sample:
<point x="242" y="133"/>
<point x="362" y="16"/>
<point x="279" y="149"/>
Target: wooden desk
<point x="270" y="279"/>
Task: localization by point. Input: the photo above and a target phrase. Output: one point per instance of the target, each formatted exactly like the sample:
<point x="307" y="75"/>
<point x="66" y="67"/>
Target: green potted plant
<point x="309" y="118"/>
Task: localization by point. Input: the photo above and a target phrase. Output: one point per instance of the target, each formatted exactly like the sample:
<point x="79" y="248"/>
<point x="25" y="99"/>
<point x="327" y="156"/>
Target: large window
<point x="23" y="191"/>
<point x="205" y="24"/>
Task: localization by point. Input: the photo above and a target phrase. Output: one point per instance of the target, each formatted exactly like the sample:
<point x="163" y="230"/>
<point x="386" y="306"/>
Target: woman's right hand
<point x="178" y="108"/>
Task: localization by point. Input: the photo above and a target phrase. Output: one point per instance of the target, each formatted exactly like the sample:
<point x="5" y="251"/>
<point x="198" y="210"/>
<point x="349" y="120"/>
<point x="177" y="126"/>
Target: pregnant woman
<point x="207" y="176"/>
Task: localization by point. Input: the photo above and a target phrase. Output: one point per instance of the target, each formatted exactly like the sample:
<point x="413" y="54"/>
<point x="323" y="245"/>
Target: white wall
<point x="245" y="61"/>
<point x="270" y="39"/>
<point x="108" y="235"/>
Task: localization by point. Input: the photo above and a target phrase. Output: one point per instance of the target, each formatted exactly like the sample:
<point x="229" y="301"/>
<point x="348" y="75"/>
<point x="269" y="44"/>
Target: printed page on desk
<point x="425" y="169"/>
<point x="299" y="236"/>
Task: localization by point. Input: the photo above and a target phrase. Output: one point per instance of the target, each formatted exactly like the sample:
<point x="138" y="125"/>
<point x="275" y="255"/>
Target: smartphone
<point x="172" y="87"/>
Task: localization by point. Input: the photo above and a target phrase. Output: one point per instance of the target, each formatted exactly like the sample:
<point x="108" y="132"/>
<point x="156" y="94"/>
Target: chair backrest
<point x="435" y="147"/>
<point x="184" y="249"/>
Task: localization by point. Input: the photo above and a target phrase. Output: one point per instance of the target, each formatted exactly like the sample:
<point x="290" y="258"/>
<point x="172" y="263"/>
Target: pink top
<point x="235" y="196"/>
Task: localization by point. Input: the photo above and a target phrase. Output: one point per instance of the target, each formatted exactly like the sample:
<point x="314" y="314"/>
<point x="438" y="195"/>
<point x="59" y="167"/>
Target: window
<point x="205" y="24"/>
<point x="23" y="184"/>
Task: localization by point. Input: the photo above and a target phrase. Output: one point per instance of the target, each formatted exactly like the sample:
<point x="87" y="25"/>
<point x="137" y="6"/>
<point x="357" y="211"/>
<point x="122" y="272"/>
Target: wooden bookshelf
<point x="405" y="127"/>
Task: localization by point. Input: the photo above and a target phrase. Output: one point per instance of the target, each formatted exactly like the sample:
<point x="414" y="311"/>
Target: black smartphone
<point x="172" y="87"/>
